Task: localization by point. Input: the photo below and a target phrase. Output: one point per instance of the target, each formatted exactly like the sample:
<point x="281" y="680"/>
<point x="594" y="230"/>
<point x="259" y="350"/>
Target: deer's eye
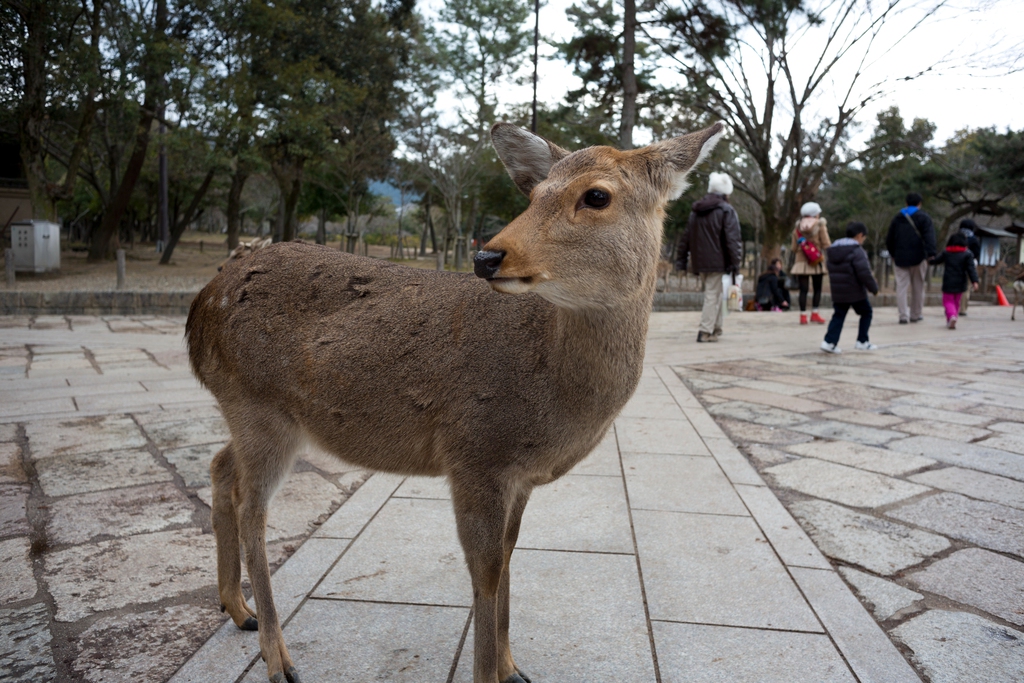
<point x="595" y="199"/>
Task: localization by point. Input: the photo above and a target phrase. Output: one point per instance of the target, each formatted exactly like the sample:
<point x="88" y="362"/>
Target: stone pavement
<point x="662" y="557"/>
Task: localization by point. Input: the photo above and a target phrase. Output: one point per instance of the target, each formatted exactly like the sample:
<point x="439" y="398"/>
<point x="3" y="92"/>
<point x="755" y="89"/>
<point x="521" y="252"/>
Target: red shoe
<point x="803" y="318"/>
<point x="815" y="318"/>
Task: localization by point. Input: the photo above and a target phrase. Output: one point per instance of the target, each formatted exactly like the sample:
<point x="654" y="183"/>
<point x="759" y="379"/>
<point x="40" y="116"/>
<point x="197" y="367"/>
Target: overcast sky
<point x="958" y="95"/>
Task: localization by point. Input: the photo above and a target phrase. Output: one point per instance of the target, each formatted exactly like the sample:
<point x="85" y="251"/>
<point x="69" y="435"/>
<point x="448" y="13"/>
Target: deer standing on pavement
<point x="500" y="384"/>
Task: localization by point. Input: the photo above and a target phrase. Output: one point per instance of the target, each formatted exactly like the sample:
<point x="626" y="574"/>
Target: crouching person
<point x="850" y="276"/>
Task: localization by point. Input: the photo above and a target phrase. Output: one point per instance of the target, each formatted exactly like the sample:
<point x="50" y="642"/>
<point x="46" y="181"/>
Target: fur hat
<point x="719" y="183"/>
<point x="810" y="209"/>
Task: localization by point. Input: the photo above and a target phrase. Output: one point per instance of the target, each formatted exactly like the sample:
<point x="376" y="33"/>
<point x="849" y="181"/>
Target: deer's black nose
<point x="486" y="263"/>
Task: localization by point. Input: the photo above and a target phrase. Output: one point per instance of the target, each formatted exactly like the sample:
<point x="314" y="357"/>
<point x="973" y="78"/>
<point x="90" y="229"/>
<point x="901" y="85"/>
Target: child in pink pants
<point x="959" y="267"/>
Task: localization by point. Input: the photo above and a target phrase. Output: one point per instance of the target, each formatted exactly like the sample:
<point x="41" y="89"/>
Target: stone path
<point x="106" y="550"/>
<point x="662" y="557"/>
<point x="906" y="468"/>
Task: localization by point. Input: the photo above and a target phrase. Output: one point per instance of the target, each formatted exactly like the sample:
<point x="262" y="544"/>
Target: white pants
<point x="711" y="314"/>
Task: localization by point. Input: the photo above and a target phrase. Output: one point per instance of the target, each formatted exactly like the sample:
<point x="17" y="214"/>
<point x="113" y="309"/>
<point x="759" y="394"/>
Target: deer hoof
<point x="278" y="678"/>
<point x="250" y="624"/>
<point x="516" y="678"/>
<point x="292" y="674"/>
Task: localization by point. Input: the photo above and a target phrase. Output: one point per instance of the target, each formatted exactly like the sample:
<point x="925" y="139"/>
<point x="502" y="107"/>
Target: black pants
<point x="835" y="325"/>
<point x="802" y="279"/>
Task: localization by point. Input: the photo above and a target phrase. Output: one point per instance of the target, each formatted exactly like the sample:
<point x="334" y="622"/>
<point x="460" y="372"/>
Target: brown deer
<point x="500" y="384"/>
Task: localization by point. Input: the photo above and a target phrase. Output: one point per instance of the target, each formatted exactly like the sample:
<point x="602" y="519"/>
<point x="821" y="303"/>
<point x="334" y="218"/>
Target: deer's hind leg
<point x="264" y="449"/>
<point x="225" y="529"/>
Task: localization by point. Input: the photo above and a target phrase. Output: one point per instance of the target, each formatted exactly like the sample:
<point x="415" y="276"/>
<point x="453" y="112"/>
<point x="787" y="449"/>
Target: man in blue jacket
<point x="911" y="242"/>
<point x="850" y="277"/>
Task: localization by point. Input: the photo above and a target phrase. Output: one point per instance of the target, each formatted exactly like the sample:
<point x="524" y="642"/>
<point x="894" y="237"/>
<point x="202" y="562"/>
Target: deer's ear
<point x="528" y="158"/>
<point x="682" y="154"/>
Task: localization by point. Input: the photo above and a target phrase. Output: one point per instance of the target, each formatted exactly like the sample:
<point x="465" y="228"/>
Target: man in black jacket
<point x="850" y="277"/>
<point x="713" y="240"/>
<point x="911" y="243"/>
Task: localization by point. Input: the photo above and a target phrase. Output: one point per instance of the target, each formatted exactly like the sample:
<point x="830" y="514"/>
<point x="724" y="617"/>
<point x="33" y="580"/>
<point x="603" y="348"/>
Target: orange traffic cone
<point x="1000" y="297"/>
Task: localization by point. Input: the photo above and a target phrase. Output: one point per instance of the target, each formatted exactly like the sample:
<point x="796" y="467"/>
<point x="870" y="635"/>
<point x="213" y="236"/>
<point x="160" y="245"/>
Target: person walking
<point x="959" y="274"/>
<point x="967" y="228"/>
<point x="911" y="242"/>
<point x="850" y="278"/>
<point x="811" y="230"/>
<point x="713" y="246"/>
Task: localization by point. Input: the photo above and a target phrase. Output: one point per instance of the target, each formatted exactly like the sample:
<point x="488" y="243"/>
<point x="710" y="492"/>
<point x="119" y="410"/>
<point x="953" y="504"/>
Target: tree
<point x="780" y="118"/>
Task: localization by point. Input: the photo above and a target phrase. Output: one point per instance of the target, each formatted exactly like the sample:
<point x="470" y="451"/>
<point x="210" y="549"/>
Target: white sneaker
<point x="865" y="346"/>
<point x="830" y="348"/>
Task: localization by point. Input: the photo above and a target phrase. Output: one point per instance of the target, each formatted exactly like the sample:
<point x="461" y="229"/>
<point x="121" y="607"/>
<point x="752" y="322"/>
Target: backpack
<point x="811" y="251"/>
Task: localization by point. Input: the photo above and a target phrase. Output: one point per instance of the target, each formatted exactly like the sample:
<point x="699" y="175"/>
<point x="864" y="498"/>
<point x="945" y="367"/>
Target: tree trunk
<point x="100" y="246"/>
<point x="629" y="87"/>
<point x="190" y="212"/>
<point x="235" y="206"/>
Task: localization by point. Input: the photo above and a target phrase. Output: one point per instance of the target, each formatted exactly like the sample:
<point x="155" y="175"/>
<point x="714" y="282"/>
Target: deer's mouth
<point x="513" y="285"/>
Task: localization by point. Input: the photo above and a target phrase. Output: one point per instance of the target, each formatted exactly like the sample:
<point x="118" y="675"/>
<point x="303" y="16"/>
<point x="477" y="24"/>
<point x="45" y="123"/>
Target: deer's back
<point x="376" y="361"/>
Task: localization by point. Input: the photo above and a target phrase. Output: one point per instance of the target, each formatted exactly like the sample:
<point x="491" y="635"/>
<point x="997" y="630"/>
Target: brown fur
<point x="424" y="373"/>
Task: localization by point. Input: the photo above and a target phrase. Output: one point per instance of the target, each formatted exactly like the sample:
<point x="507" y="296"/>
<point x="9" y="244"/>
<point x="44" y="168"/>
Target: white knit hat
<point x="810" y="209"/>
<point x="720" y="183"/>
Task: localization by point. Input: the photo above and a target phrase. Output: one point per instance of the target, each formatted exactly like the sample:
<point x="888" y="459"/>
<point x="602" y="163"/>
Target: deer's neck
<point x="602" y="350"/>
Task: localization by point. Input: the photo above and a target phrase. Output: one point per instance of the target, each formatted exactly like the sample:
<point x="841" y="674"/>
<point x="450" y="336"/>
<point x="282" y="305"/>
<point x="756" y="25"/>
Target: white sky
<point x="957" y="96"/>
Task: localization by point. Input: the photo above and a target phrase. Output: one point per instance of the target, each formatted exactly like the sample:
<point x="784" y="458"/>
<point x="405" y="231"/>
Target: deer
<point x="501" y="380"/>
<point x="245" y="248"/>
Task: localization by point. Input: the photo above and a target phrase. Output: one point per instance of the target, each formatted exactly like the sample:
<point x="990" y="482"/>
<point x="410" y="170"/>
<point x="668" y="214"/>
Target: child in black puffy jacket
<point x="850" y="277"/>
<point x="959" y="263"/>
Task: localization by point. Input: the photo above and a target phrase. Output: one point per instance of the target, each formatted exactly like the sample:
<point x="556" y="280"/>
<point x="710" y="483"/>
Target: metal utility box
<point x="36" y="246"/>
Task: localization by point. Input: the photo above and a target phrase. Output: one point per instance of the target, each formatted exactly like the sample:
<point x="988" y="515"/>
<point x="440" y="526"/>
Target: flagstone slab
<point x="11" y="471"/>
<point x="870" y="653"/>
<point x="758" y="414"/>
<point x="638" y="435"/>
<point x="959" y="647"/>
<point x="736" y="467"/>
<point x="1013" y="443"/>
<point x="967" y="455"/>
<point x="303" y="499"/>
<point x="975" y="484"/>
<point x="879" y="545"/>
<point x="407" y="644"/>
<point x="143" y="648"/>
<point x="425" y="487"/>
<point x="14" y="510"/>
<point x="698" y="652"/>
<point x="714" y="569"/>
<point x="750" y="432"/>
<point x="783" y="401"/>
<point x="989" y="525"/>
<point x="410" y="554"/>
<point x="180" y="433"/>
<point x="842" y="484"/>
<point x="792" y="544"/>
<point x="986" y="580"/>
<point x="53" y="438"/>
<point x="580" y="513"/>
<point x="919" y="412"/>
<point x="26" y="655"/>
<point x="16" y="569"/>
<point x="774" y="387"/>
<point x="121" y="512"/>
<point x="90" y="579"/>
<point x="766" y="456"/>
<point x="651" y="406"/>
<point x="863" y="457"/>
<point x="861" y="417"/>
<point x="999" y="412"/>
<point x="946" y="430"/>
<point x="193" y="463"/>
<point x="854" y="396"/>
<point x="885" y="597"/>
<point x="841" y="431"/>
<point x="72" y="474"/>
<point x="589" y="628"/>
<point x="679" y="483"/>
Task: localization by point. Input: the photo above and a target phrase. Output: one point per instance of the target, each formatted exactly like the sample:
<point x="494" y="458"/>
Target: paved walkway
<point x="662" y="557"/>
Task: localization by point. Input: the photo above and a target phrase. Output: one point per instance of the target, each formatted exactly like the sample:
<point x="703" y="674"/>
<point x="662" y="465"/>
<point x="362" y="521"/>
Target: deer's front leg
<point x="482" y="509"/>
<point x="515" y="517"/>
